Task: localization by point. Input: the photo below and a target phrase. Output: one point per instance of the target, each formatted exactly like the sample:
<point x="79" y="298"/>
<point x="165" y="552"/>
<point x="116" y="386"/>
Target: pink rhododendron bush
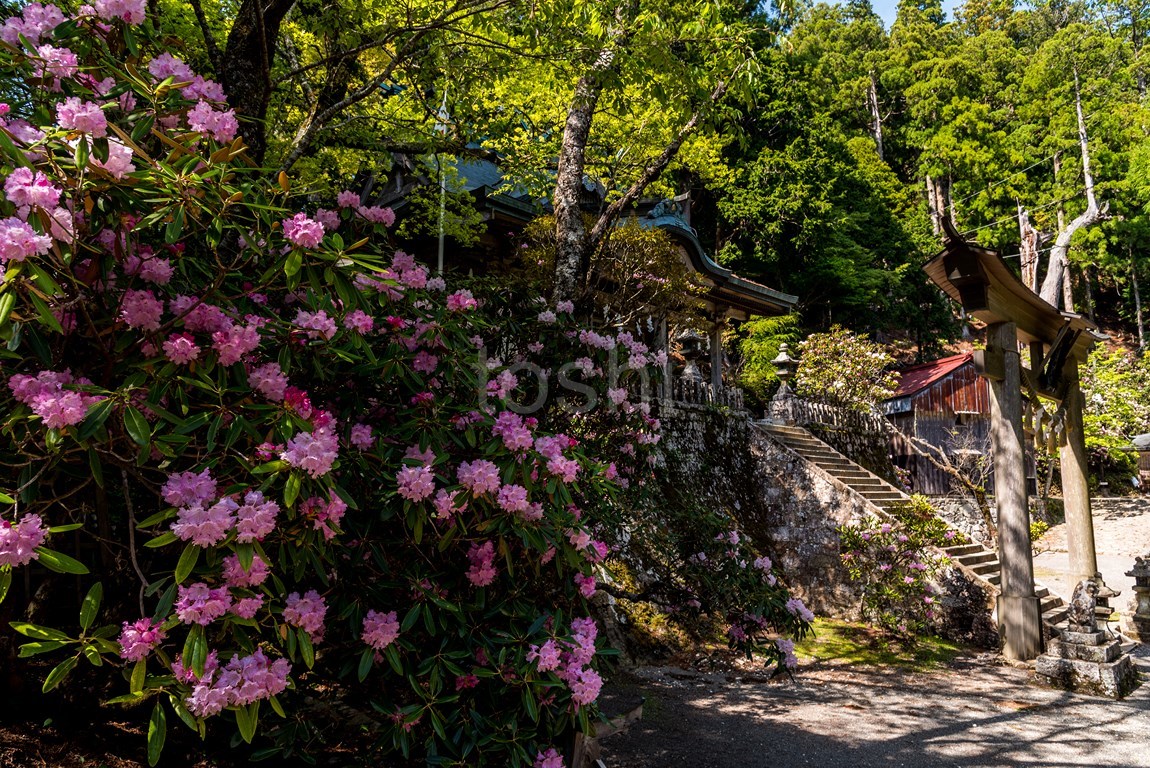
<point x="255" y="461"/>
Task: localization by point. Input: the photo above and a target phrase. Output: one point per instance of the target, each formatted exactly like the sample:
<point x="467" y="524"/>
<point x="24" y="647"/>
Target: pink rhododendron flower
<point x="482" y="557"/>
<point x="314" y="452"/>
<point x="119" y="162"/>
<point x="237" y="576"/>
<point x="128" y="11"/>
<point x="425" y="362"/>
<point x="203" y="89"/>
<point x="377" y="215"/>
<point x="57" y="63"/>
<point x="18" y="541"/>
<point x="317" y="324"/>
<point x="181" y="348"/>
<point x="513" y="498"/>
<point x="199" y="316"/>
<point x="586" y="585"/>
<point x="547" y="316"/>
<point x="84" y="116"/>
<point x="256" y="517"/>
<point x="184" y="489"/>
<point x="269" y="380"/>
<point x="787" y="648"/>
<point x="200" y="604"/>
<point x="445" y="504"/>
<point x="232" y="344"/>
<point x="245" y="680"/>
<point x="141" y="309"/>
<point x="26" y="188"/>
<point x="461" y="301"/>
<point x="220" y="124"/>
<point x="548" y="759"/>
<point x="361" y="437"/>
<point x="205" y="526"/>
<point x="307" y="613"/>
<point x="546" y="657"/>
<point x="479" y="476"/>
<point x="303" y="232"/>
<point x="795" y="607"/>
<point x="35" y="22"/>
<point x="60" y="409"/>
<point x="347" y="199"/>
<point x="140" y="638"/>
<point x="325" y="514"/>
<point x="166" y="65"/>
<point x="358" y="321"/>
<point x="415" y="483"/>
<point x="585" y="686"/>
<point x="515" y="433"/>
<point x="247" y="607"/>
<point x="565" y="306"/>
<point x="18" y="241"/>
<point x="380" y="629"/>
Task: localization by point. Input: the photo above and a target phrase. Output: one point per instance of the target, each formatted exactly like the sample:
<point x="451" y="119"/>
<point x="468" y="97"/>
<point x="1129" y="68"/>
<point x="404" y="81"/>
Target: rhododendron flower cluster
<point x="306" y="612"/>
<point x="482" y="570"/>
<point x="18" y="541"/>
<point x="140" y="638"/>
<point x="380" y="629"/>
<point x="244" y="680"/>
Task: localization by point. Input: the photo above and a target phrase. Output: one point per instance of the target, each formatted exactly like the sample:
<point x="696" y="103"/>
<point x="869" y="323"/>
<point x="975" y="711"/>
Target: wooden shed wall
<point x="959" y="402"/>
<point x="961" y="391"/>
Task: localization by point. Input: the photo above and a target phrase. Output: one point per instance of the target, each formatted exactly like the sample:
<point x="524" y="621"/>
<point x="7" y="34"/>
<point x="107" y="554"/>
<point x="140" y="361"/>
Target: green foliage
<point x="844" y="369"/>
<point x="1038" y="529"/>
<point x="895" y="567"/>
<point x="759" y="341"/>
<point x="1116" y="388"/>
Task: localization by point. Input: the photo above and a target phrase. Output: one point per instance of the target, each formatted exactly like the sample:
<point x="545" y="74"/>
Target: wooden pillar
<point x="1019" y="615"/>
<point x="717" y="356"/>
<point x="667" y="387"/>
<point x="1075" y="491"/>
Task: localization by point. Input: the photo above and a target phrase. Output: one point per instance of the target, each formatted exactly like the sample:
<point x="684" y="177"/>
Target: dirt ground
<point x="974" y="714"/>
<point x="1121" y="532"/>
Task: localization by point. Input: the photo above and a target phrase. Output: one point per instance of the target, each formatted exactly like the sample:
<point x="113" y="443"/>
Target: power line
<point x="1005" y="179"/>
<point x="1014" y="217"/>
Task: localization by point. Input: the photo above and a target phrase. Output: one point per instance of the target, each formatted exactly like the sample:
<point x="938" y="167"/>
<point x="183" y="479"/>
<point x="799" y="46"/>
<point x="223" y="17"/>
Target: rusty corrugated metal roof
<point x="921" y="376"/>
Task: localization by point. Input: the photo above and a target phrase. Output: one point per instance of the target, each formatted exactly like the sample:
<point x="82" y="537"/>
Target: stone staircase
<point x="975" y="558"/>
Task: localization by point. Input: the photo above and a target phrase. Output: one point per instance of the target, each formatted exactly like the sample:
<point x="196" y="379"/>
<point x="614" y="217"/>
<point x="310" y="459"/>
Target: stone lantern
<point x="1138" y="626"/>
<point x="692" y="349"/>
<point x="781" y="408"/>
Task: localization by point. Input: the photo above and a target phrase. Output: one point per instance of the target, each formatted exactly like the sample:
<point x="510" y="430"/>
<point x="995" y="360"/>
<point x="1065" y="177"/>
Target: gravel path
<point x="975" y="714"/>
<point x="1121" y="532"/>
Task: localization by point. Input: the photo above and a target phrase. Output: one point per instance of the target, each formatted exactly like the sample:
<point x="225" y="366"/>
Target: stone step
<point x="994" y="578"/>
<point x="958" y="550"/>
<point x="988" y="567"/>
<point x="1041" y="591"/>
<point x="974" y="558"/>
<point x="1056" y="616"/>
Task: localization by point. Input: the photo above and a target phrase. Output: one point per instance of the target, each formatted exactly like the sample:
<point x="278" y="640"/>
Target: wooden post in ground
<point x="717" y="357"/>
<point x="1019" y="615"/>
<point x="1075" y="491"/>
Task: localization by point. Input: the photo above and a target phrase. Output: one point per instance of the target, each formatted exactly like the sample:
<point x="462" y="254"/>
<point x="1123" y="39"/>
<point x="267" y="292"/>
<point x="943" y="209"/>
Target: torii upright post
<point x="1019" y="614"/>
<point x="1075" y="491"/>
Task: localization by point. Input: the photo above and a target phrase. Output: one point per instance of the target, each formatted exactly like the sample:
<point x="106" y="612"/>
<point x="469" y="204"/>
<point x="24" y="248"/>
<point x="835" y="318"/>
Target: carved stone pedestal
<point x="1137" y="625"/>
<point x="1085" y="662"/>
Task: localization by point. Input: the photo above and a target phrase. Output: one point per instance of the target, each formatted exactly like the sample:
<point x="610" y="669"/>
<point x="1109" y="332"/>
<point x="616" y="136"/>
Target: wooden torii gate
<point x="982" y="283"/>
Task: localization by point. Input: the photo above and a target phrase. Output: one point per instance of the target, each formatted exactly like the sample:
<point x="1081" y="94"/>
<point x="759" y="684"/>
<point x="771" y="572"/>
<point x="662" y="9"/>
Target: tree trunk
<point x="1137" y="298"/>
<point x="570" y="231"/>
<point x="1028" y="249"/>
<point x="245" y="68"/>
<point x="1057" y="281"/>
<point x="876" y="117"/>
<point x="932" y="206"/>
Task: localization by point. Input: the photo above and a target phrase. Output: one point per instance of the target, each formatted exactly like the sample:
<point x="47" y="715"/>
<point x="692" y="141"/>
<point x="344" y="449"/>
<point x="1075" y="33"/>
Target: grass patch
<point x="842" y="643"/>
